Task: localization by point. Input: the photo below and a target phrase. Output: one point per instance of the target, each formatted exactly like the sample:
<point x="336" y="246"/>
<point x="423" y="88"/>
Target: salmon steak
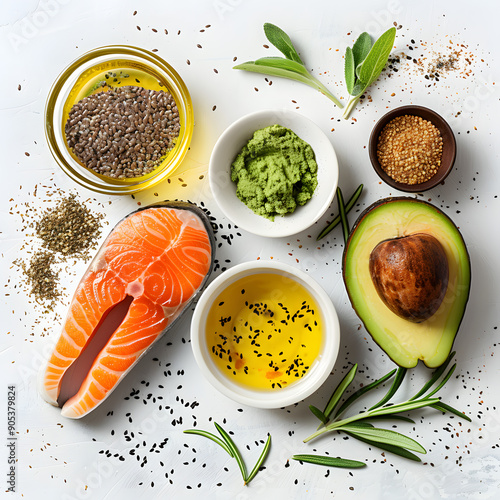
<point x="147" y="272"/>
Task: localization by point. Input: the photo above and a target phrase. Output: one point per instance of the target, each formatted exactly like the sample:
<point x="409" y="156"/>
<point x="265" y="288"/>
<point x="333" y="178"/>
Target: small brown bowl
<point x="449" y="147"/>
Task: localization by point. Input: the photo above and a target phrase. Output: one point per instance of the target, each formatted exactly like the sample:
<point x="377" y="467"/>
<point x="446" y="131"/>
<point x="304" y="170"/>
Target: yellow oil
<point x="264" y="331"/>
<point x="116" y="73"/>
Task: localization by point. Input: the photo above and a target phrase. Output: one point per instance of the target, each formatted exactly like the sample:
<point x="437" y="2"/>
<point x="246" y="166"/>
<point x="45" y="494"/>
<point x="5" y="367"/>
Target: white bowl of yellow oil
<point x="265" y="334"/>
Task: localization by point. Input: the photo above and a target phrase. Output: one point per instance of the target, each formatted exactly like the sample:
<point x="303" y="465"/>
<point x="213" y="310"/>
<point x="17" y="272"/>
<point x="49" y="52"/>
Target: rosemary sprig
<point x="343" y="215"/>
<point x="335" y="222"/>
<point x="236" y="453"/>
<point x="329" y="461"/>
<point x="350" y="400"/>
<point x="400" y="375"/>
<point x="360" y="425"/>
<point x="230" y="447"/>
<point x="261" y="459"/>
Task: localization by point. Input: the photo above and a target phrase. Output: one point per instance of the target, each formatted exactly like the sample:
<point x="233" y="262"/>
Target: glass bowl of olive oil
<point x="100" y="70"/>
<point x="265" y="334"/>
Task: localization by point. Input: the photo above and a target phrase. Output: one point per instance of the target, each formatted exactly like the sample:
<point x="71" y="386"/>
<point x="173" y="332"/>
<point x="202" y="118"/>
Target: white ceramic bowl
<point x="230" y="144"/>
<point x="297" y="391"/>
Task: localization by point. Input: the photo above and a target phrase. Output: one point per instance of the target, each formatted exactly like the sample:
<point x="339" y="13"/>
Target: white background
<point x="60" y="457"/>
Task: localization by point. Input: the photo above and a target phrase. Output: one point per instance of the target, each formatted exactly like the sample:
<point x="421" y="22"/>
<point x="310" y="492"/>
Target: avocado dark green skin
<point x="346" y="252"/>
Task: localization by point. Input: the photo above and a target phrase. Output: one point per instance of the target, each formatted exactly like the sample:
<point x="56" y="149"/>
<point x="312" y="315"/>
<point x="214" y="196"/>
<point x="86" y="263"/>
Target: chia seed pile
<point x="124" y="132"/>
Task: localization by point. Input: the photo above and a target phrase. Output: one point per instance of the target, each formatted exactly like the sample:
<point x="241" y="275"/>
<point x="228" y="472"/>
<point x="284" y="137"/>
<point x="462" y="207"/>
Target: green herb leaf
<point x="369" y="69"/>
<point x="392" y="417"/>
<point x="353" y="397"/>
<point x="447" y="408"/>
<point x="402" y="452"/>
<point x="385" y="436"/>
<point x="291" y="67"/>
<point x="260" y="461"/>
<point x="446" y="378"/>
<point x="281" y="41"/>
<point x="285" y="64"/>
<point x="377" y="57"/>
<point x="236" y="453"/>
<point x="403" y="407"/>
<point x="434" y="378"/>
<point x="352" y="200"/>
<point x="361" y="48"/>
<point x="318" y="414"/>
<point x="212" y="437"/>
<point x="400" y="375"/>
<point x="337" y="394"/>
<point x="349" y="71"/>
<point x="329" y="461"/>
<point x="343" y="216"/>
<point x="287" y="69"/>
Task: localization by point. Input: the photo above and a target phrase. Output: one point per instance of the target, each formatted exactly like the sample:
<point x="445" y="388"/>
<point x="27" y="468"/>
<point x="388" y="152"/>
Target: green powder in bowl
<point x="275" y="172"/>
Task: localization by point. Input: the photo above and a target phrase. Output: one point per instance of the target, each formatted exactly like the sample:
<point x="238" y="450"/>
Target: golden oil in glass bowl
<point x="98" y="71"/>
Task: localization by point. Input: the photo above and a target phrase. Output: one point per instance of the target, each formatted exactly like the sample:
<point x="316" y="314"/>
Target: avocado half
<point x="406" y="342"/>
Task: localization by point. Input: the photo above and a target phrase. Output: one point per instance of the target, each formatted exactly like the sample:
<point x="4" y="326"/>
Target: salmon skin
<point x="159" y="258"/>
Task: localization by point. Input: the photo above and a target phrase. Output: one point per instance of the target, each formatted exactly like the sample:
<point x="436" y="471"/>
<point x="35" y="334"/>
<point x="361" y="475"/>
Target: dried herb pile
<point x="70" y="230"/>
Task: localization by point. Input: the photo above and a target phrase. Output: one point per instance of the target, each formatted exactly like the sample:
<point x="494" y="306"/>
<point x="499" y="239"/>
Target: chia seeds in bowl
<point x="119" y="120"/>
<point x="123" y="132"/>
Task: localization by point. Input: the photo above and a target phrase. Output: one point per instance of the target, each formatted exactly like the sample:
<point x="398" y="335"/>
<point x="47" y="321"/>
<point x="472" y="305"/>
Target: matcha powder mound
<point x="275" y="172"/>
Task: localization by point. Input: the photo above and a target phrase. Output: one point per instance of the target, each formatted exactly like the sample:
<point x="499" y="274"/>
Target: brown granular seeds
<point x="67" y="232"/>
<point x="41" y="277"/>
<point x="410" y="149"/>
<point x="69" y="229"/>
<point x="124" y="132"/>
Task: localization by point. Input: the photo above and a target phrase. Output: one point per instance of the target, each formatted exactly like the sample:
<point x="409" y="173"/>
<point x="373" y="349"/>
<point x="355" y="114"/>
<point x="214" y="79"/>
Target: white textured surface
<point x="58" y="456"/>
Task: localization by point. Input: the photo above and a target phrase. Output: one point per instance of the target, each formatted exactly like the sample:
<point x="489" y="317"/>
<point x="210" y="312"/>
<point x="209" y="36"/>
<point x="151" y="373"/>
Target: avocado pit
<point x="410" y="274"/>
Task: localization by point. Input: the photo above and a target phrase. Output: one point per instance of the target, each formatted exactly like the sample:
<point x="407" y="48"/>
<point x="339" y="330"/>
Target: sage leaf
<point x="377" y="58"/>
<point x="349" y="71"/>
<point x="402" y="452"/>
<point x="395" y="386"/>
<point x="329" y="461"/>
<point x="359" y="88"/>
<point x="385" y="436"/>
<point x="337" y="394"/>
<point x="361" y="48"/>
<point x="281" y="41"/>
<point x="260" y="461"/>
<point x="290" y="67"/>
<point x="286" y="64"/>
<point x="348" y="402"/>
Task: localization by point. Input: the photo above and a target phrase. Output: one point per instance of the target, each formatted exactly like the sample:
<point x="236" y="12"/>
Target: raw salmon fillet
<point x="160" y="257"/>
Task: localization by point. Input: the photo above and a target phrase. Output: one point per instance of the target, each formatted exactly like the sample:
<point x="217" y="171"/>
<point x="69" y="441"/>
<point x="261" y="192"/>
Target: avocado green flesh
<point x="406" y="342"/>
